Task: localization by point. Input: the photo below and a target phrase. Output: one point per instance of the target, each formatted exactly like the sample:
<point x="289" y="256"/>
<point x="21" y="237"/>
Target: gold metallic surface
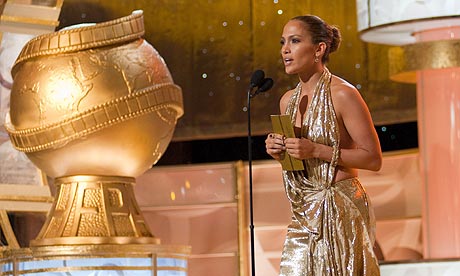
<point x="99" y="117"/>
<point x="93" y="106"/>
<point x="120" y="30"/>
<point x="26" y="20"/>
<point x="94" y="210"/>
<point x="111" y="250"/>
<point x="94" y="99"/>
<point x="242" y="220"/>
<point x="7" y="230"/>
<point x="404" y="61"/>
<point x="332" y="228"/>
<point x="67" y="257"/>
<point x="45" y="199"/>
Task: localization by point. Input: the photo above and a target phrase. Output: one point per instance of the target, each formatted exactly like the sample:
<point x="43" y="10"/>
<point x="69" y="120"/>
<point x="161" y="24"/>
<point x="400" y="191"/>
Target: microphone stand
<point x="262" y="84"/>
<point x="251" y="211"/>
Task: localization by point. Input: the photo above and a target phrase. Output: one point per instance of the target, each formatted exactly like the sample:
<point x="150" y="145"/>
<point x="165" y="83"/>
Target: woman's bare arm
<point x="364" y="151"/>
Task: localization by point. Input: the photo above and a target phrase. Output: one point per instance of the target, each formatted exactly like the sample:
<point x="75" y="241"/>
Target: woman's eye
<point x="295" y="40"/>
<point x="282" y="42"/>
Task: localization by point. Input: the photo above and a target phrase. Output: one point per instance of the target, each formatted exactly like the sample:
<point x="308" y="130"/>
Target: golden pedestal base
<point x="92" y="209"/>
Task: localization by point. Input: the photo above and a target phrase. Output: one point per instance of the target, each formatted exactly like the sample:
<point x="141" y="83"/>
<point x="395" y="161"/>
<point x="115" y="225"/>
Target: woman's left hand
<point x="300" y="148"/>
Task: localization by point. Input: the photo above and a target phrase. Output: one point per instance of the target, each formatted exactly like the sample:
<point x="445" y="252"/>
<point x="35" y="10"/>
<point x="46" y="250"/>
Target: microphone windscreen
<point x="257" y="78"/>
<point x="266" y="85"/>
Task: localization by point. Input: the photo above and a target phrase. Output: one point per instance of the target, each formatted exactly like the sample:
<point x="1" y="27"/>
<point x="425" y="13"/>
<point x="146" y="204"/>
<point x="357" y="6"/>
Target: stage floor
<point x="422" y="268"/>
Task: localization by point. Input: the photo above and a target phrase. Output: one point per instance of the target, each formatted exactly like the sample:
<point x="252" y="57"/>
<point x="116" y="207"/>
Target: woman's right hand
<point x="274" y="145"/>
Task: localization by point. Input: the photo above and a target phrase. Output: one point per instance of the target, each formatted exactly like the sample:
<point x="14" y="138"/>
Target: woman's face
<point x="297" y="50"/>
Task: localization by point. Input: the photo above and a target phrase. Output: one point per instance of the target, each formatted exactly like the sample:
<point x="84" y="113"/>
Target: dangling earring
<point x="316" y="59"/>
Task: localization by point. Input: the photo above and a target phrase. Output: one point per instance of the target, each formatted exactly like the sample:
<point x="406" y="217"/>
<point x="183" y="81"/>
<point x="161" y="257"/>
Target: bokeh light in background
<point x="213" y="46"/>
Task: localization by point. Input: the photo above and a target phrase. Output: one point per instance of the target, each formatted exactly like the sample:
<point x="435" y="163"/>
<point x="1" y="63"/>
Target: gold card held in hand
<point x="282" y="125"/>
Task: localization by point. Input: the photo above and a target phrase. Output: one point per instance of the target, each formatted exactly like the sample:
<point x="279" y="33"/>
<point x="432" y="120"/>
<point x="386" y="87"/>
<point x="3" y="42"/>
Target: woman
<point x="332" y="228"/>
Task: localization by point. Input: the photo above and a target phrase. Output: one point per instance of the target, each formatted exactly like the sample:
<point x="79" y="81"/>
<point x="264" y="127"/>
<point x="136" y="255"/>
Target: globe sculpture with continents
<point x="93" y="106"/>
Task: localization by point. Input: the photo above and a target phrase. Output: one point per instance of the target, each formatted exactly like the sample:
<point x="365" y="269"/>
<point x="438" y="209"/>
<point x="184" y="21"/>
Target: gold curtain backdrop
<point x="212" y="47"/>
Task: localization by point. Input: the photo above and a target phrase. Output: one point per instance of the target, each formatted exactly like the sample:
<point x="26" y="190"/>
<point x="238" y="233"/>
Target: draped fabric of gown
<point x="332" y="228"/>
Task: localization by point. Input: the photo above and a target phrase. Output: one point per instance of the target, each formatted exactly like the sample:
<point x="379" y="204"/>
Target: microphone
<point x="267" y="83"/>
<point x="256" y="79"/>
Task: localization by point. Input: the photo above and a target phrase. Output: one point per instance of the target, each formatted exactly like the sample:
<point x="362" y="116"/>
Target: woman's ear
<point x="321" y="49"/>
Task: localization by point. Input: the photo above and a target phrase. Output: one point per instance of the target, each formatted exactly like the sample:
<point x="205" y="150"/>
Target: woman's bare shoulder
<point x="342" y="90"/>
<point x="339" y="84"/>
<point x="284" y="101"/>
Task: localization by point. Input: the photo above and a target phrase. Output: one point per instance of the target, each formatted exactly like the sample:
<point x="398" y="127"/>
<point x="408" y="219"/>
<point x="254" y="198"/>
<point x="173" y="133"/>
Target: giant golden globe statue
<point x="93" y="106"/>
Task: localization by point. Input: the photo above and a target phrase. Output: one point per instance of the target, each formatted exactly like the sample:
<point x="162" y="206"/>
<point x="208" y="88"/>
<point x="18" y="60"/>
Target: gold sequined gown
<point x="332" y="228"/>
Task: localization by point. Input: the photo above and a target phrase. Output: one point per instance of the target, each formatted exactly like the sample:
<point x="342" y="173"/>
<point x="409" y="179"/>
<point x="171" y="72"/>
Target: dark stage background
<point x="392" y="137"/>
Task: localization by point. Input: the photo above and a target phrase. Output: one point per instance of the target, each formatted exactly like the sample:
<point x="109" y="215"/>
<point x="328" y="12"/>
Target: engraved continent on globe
<point x="93" y="99"/>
